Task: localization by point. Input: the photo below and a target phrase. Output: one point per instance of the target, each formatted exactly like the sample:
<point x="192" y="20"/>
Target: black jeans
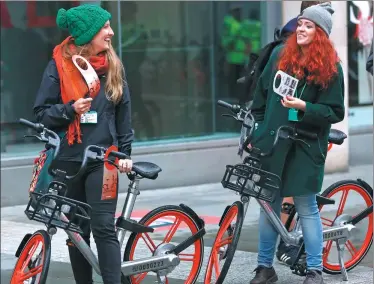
<point x="88" y="189"/>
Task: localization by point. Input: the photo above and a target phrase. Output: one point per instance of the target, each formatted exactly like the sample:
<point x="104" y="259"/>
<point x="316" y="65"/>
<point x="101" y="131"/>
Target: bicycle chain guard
<point x="89" y="75"/>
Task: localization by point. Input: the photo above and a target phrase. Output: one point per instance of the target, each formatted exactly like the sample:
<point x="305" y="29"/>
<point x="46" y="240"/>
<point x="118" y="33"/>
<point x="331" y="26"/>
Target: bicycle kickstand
<point x="161" y="279"/>
<point x="340" y="244"/>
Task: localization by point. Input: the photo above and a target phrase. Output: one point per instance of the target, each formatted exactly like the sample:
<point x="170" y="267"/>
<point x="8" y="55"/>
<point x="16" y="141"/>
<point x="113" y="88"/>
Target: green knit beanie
<point x="83" y="22"/>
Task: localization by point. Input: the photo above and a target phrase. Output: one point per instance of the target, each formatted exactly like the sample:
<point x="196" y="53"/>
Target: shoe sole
<point x="272" y="280"/>
<point x="283" y="263"/>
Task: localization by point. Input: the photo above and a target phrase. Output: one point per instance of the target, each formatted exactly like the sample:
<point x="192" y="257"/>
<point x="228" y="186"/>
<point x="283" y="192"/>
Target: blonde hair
<point x="116" y="71"/>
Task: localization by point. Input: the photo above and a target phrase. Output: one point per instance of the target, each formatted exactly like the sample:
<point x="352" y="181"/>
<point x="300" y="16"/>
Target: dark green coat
<point x="301" y="168"/>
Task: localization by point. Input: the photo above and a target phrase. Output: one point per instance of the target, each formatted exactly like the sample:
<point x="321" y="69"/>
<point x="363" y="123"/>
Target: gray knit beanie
<point x="321" y="15"/>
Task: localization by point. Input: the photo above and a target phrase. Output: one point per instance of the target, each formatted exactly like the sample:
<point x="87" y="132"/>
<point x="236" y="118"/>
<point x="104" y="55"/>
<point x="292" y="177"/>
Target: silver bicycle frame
<point x="155" y="263"/>
<point x="339" y="233"/>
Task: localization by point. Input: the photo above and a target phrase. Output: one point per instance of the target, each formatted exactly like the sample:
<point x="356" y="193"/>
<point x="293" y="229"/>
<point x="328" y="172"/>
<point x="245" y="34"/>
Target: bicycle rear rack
<point x="47" y="209"/>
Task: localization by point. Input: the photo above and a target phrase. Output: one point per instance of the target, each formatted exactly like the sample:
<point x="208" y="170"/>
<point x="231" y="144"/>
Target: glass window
<point x="180" y="57"/>
<point x="360" y="38"/>
<point x="179" y="62"/>
<point x="28" y="36"/>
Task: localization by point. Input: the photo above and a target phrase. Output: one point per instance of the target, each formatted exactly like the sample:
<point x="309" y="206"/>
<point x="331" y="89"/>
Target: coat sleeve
<point x="329" y="108"/>
<point x="48" y="107"/>
<point x="260" y="94"/>
<point x="125" y="134"/>
<point x="369" y="62"/>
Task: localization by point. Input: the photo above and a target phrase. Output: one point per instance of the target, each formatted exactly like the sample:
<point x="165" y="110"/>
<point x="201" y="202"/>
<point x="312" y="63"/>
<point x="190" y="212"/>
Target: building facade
<point x="177" y="68"/>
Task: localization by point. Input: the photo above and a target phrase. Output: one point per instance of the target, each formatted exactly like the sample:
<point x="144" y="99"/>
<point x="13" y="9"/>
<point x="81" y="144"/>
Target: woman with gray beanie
<point x="313" y="102"/>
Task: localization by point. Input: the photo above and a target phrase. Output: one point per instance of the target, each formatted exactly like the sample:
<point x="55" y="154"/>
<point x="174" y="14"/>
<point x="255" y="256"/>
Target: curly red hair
<point x="320" y="60"/>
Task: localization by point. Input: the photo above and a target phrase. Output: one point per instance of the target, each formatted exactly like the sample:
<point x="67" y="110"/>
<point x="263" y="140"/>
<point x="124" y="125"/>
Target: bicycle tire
<point x="148" y="219"/>
<point x="225" y="222"/>
<point x="38" y="236"/>
<point x="368" y="191"/>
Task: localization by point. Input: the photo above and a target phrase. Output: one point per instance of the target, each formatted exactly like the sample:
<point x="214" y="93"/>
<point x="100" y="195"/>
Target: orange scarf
<point x="73" y="85"/>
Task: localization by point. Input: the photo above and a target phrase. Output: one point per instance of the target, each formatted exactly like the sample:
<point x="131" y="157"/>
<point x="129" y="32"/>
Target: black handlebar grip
<point x="306" y="134"/>
<point x="224" y="104"/>
<point x="36" y="126"/>
<point x="118" y="155"/>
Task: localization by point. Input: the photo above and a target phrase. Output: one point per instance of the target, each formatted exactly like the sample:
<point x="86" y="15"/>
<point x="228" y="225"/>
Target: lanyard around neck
<point x="302" y="91"/>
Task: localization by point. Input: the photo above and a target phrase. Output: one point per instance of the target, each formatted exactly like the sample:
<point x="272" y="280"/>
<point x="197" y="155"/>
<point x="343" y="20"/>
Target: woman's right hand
<point x="82" y="105"/>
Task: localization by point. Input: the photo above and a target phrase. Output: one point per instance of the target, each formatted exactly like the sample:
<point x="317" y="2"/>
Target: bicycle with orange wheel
<point x="55" y="210"/>
<point x="249" y="180"/>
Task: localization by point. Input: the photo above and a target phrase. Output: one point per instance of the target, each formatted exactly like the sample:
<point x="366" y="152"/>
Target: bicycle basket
<point x="250" y="179"/>
<point x="59" y="211"/>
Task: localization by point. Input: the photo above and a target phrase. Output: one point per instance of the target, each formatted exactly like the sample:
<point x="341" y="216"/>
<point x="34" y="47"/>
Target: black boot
<point x="313" y="277"/>
<point x="264" y="275"/>
<point x="82" y="270"/>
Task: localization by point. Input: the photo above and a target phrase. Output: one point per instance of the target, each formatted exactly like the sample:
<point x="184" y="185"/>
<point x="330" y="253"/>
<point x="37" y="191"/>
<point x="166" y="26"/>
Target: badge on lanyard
<point x="287" y="86"/>
<point x="89" y="117"/>
<point x="292" y="114"/>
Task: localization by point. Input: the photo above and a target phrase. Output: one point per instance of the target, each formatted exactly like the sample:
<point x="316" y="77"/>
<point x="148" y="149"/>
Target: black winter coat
<point x="113" y="120"/>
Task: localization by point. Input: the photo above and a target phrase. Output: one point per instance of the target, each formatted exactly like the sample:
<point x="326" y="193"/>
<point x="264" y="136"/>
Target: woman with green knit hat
<point x="85" y="116"/>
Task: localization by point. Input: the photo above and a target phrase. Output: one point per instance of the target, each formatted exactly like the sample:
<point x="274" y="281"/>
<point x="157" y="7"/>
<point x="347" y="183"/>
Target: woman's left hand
<point x="292" y="102"/>
<point x="125" y="165"/>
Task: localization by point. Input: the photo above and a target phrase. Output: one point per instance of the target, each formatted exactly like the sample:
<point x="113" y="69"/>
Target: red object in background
<point x="33" y="20"/>
<point x="5" y="18"/>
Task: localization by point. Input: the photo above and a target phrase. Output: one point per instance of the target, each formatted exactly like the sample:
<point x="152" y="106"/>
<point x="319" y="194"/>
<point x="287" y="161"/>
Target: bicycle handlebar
<point x="233" y="108"/>
<point x="284" y="131"/>
<point x="92" y="152"/>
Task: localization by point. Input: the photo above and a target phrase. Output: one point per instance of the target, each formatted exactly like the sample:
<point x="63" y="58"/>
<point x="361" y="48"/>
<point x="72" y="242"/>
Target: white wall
<point x="337" y="158"/>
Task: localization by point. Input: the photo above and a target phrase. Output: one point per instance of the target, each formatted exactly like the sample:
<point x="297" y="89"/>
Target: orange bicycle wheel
<point x="167" y="220"/>
<point x="30" y="267"/>
<point x="360" y="242"/>
<point x="224" y="246"/>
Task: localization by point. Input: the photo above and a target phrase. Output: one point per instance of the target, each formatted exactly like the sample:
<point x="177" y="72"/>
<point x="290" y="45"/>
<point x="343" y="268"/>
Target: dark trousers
<point x="88" y="189"/>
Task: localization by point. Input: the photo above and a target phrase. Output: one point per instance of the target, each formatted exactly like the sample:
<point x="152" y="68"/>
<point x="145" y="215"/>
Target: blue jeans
<point x="311" y="225"/>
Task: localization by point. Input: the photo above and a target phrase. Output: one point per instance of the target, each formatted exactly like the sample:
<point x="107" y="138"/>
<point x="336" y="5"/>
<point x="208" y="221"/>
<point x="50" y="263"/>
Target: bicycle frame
<point x="339" y="233"/>
<point x="154" y="263"/>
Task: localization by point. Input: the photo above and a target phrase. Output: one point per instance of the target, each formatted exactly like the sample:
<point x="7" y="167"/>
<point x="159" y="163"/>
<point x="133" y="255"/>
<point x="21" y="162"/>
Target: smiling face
<point x="101" y="41"/>
<point x="305" y="32"/>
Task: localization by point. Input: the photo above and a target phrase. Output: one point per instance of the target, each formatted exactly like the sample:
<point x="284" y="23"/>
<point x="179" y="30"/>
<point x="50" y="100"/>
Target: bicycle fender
<point x="365" y="185"/>
<point x="223" y="215"/>
<point x="200" y="222"/>
<point x="22" y="244"/>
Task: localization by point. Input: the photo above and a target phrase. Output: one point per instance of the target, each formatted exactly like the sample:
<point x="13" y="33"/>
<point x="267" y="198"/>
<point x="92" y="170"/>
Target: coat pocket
<point x="318" y="153"/>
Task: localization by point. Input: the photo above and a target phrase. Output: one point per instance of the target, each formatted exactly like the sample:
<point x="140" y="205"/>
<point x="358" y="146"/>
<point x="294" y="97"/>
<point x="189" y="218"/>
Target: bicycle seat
<point x="336" y="137"/>
<point x="321" y="200"/>
<point x="146" y="169"/>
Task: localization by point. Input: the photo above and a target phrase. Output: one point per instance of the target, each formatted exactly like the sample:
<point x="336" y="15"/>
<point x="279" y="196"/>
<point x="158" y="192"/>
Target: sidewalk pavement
<point x="206" y="200"/>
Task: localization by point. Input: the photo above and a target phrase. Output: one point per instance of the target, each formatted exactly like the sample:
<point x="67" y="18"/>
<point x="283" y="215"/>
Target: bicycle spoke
<point x="32" y="251"/>
<point x="151" y="245"/>
<point x="139" y="278"/>
<point x="224" y="242"/>
<point x="351" y="248"/>
<point x="328" y="220"/>
<point x="172" y="231"/>
<point x="186" y="258"/>
<point x="216" y="265"/>
<point x="32" y="272"/>
<point x="328" y="248"/>
<point x="342" y="203"/>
